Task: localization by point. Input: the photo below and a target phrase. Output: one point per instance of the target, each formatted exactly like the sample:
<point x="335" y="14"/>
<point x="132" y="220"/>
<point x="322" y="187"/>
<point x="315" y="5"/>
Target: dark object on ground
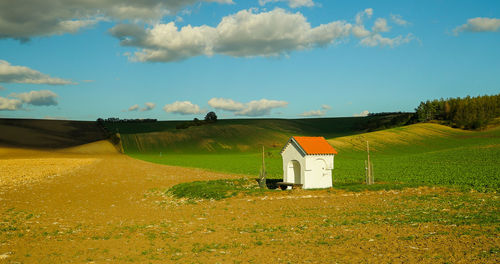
<point x="211" y="117"/>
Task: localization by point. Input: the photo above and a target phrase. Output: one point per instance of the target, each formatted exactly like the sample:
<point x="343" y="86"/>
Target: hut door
<point x="294" y="172"/>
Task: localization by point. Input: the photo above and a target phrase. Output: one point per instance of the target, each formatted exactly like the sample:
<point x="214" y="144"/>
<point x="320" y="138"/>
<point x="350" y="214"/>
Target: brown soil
<point x="113" y="210"/>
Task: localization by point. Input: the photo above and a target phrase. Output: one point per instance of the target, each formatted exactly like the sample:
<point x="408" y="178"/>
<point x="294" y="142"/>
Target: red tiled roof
<point x="315" y="145"/>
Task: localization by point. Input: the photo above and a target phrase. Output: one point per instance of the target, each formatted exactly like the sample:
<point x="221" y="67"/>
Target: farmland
<point x="91" y="204"/>
<point x="421" y="154"/>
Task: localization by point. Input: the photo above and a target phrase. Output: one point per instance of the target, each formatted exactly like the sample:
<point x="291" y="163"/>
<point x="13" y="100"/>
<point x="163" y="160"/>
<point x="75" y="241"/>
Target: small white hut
<point x="308" y="161"/>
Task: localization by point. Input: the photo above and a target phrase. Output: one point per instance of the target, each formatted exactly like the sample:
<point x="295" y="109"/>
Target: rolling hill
<point x="48" y="134"/>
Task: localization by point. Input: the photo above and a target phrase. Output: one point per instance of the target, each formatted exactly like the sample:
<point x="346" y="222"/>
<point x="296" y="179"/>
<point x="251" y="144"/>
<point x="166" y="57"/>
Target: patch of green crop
<point x="215" y="189"/>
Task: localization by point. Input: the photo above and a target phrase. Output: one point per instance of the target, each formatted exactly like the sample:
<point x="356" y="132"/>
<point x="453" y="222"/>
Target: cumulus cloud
<point x="363" y="113"/>
<point x="29" y="18"/>
<point x="134" y="107"/>
<point x="291" y="3"/>
<point x="244" y="34"/>
<point x="479" y="24"/>
<point x="380" y="25"/>
<point x="148" y="106"/>
<point x="360" y="31"/>
<point x="260" y="107"/>
<point x="8" y="104"/>
<point x="225" y="104"/>
<point x="378" y="40"/>
<point x="398" y="19"/>
<point x="374" y="38"/>
<point x="21" y="74"/>
<point x="367" y="13"/>
<point x="326" y="107"/>
<point x="38" y="98"/>
<point x="183" y="108"/>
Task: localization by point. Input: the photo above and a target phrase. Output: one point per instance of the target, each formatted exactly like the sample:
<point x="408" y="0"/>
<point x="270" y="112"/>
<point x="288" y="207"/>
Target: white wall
<point x="289" y="154"/>
<point x="316" y="170"/>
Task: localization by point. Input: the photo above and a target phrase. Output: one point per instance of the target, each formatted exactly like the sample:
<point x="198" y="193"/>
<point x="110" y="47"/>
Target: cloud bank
<point x="244" y="34"/>
<point x="249" y="33"/>
<point x="253" y="108"/>
<point x="29" y="18"/>
<point x="21" y="74"/>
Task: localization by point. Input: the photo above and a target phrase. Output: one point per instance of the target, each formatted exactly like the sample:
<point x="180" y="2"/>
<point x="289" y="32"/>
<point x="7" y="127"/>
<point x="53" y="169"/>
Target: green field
<point x="422" y="154"/>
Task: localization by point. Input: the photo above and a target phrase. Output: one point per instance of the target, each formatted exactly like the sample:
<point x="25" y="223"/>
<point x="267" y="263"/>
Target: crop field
<point x="425" y="154"/>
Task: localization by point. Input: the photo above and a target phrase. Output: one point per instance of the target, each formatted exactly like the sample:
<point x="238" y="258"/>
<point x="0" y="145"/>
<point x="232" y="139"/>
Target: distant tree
<point x="211" y="117"/>
<point x="467" y="113"/>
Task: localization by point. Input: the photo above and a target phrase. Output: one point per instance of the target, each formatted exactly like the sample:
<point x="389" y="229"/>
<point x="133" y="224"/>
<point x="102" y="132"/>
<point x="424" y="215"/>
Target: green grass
<point x="422" y="154"/>
<point x="215" y="189"/>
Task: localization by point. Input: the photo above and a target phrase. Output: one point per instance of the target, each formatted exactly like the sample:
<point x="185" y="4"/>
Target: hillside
<point x="240" y="135"/>
<point x="417" y="154"/>
<point x="48" y="134"/>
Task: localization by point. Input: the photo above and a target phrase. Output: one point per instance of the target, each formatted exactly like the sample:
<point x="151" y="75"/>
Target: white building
<point x="308" y="161"/>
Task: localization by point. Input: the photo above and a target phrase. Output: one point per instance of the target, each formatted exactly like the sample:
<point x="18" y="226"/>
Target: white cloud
<point x="244" y="34"/>
<point x="148" y="106"/>
<point x="29" y="18"/>
<point x="225" y="104"/>
<point x="320" y="112"/>
<point x="380" y="25"/>
<point x="363" y="113"/>
<point x="314" y="113"/>
<point x="38" y="98"/>
<point x="291" y="3"/>
<point x="260" y="107"/>
<point x="21" y="74"/>
<point x="479" y="24"/>
<point x="378" y="40"/>
<point x="134" y="107"/>
<point x="183" y="108"/>
<point x="398" y="19"/>
<point x="361" y="15"/>
<point x="7" y="104"/>
<point x="360" y="31"/>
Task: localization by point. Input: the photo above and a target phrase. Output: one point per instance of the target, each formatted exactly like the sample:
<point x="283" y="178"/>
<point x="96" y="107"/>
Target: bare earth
<point x="110" y="208"/>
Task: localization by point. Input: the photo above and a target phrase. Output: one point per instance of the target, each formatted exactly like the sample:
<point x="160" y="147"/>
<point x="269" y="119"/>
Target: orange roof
<point x="315" y="145"/>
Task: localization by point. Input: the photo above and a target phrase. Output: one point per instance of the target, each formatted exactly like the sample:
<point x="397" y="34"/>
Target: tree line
<point x="467" y="113"/>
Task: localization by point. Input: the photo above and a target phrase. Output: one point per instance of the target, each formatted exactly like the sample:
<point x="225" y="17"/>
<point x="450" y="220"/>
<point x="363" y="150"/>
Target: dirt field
<point x="109" y="208"/>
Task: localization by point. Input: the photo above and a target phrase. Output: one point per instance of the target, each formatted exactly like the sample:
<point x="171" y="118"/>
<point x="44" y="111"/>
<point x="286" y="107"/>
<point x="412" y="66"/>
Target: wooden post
<point x="369" y="166"/>
<point x="262" y="180"/>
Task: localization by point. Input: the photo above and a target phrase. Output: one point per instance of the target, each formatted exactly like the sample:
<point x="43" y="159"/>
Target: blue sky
<point x="242" y="59"/>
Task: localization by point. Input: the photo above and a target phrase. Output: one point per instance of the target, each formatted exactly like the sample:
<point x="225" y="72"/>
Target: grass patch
<point x="216" y="189"/>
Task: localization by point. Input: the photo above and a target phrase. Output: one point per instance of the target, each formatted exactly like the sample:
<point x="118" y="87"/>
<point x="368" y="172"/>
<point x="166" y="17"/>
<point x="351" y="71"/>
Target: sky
<point x="179" y="59"/>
